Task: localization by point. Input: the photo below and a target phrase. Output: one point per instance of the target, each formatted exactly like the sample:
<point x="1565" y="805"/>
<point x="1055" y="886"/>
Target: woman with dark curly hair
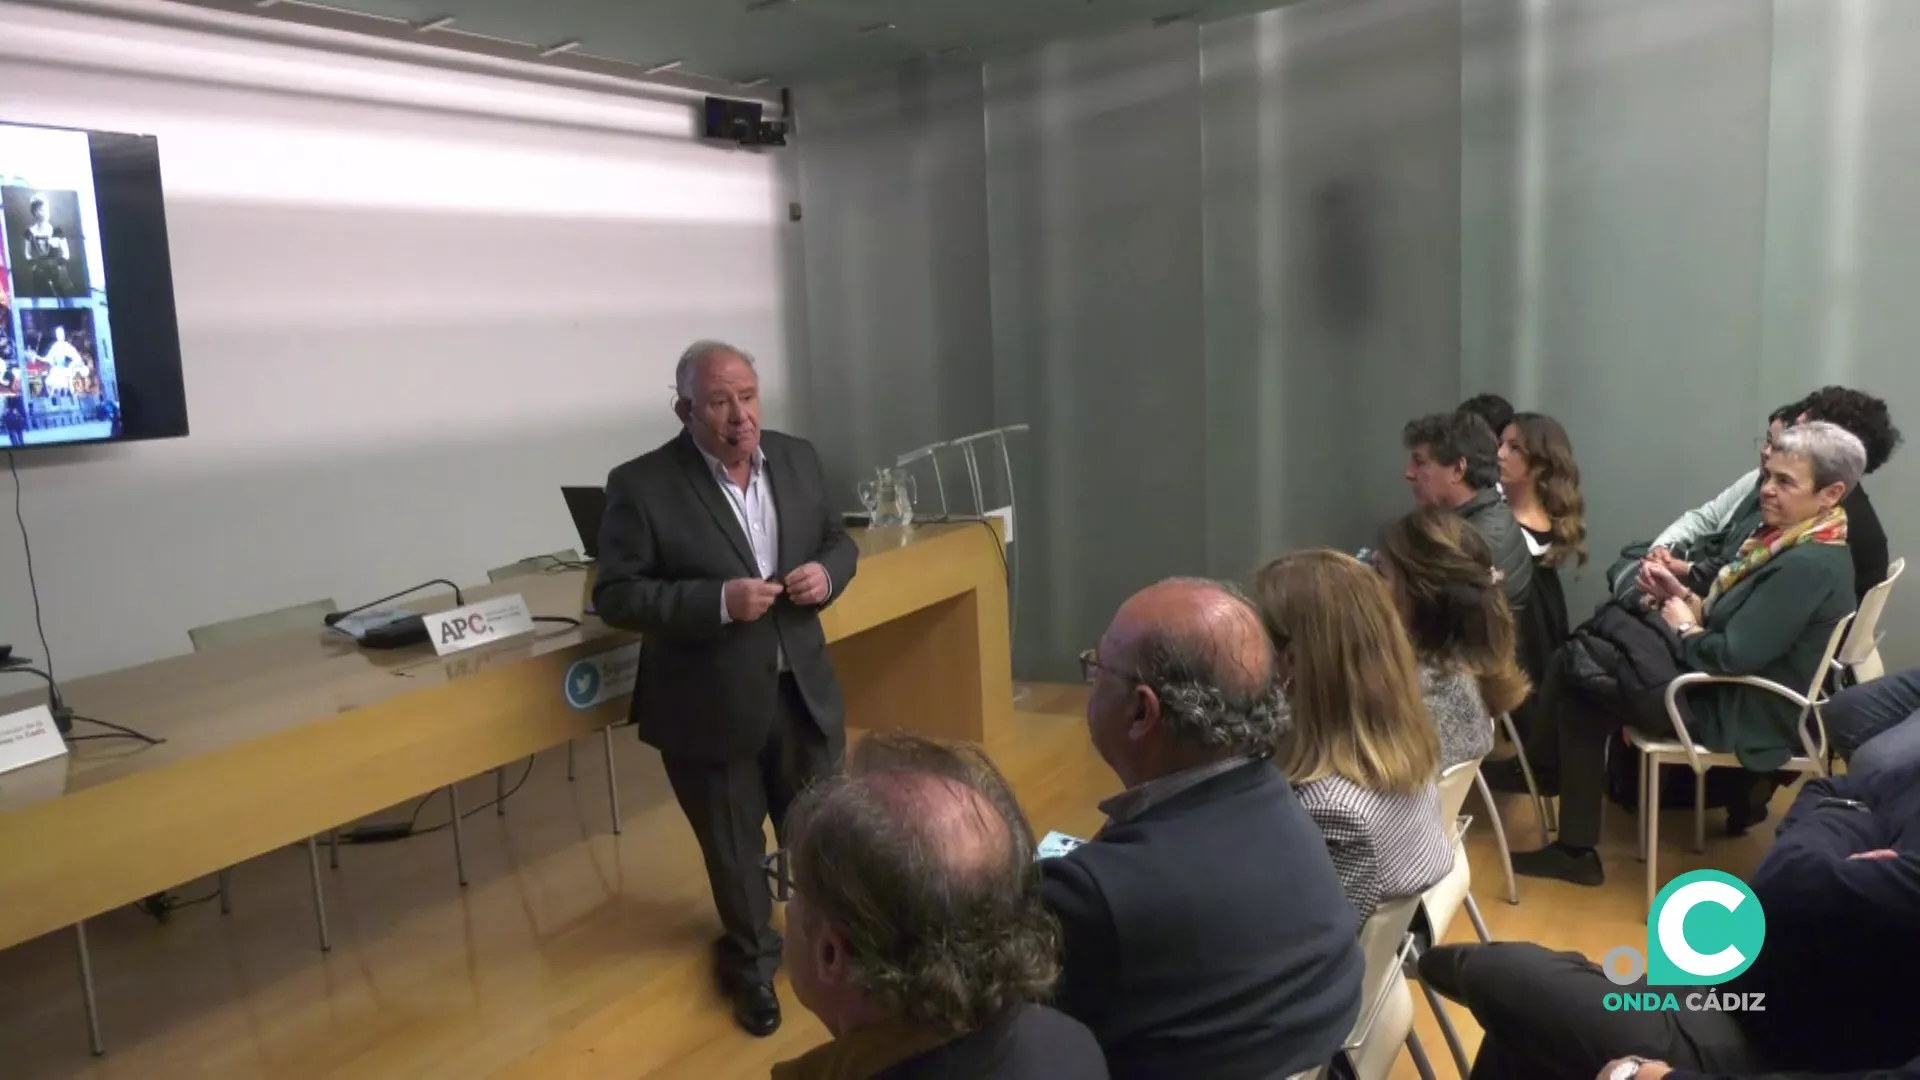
<point x="1869" y="420"/>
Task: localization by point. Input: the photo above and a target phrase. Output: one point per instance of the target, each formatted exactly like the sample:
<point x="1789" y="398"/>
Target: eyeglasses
<point x="1091" y="667"/>
<point x="779" y="870"/>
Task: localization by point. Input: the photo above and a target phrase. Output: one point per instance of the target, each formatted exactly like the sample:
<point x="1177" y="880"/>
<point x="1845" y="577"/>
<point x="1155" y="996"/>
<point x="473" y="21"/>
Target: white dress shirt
<point x="753" y="509"/>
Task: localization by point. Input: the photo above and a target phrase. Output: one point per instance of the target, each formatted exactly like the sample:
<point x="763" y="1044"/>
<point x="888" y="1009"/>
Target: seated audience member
<point x="1770" y="613"/>
<point x="1867" y="418"/>
<point x="1494" y="409"/>
<point x="1841" y="893"/>
<point x="1876" y="725"/>
<point x="1203" y="929"/>
<point x="1441" y="577"/>
<point x="915" y="930"/>
<point x="1714" y="520"/>
<point x="1541" y="480"/>
<point x="1454" y="465"/>
<point x="1362" y="751"/>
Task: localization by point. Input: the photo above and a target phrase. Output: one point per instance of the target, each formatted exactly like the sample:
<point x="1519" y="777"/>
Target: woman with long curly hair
<point x="1541" y="479"/>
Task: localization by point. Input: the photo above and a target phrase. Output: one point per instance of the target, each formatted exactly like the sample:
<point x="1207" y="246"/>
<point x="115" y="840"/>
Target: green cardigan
<point x="1774" y="624"/>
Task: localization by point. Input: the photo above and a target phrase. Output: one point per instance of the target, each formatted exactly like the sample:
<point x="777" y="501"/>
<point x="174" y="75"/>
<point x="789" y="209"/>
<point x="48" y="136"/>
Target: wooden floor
<point x="574" y="953"/>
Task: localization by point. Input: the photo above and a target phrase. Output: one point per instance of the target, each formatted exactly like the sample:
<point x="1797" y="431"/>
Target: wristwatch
<point x="1685" y="628"/>
<point x="1627" y="1069"/>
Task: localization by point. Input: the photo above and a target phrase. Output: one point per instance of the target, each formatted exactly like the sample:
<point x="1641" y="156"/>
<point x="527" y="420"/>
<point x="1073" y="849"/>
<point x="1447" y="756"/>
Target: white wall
<point x="405" y="323"/>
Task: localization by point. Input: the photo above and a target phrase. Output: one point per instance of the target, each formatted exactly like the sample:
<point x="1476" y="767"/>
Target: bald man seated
<point x="1204" y="931"/>
<point x="915" y="930"/>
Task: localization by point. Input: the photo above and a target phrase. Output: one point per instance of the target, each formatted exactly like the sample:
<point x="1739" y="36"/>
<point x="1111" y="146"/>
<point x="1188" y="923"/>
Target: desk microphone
<point x="62" y="716"/>
<point x="401" y="632"/>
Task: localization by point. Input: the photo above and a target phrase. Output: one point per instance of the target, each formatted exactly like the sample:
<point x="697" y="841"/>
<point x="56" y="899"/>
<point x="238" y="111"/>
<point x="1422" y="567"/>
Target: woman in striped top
<point x="1361" y="750"/>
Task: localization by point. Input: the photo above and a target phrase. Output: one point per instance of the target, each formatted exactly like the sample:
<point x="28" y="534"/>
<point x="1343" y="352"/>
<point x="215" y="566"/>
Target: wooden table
<point x="271" y="743"/>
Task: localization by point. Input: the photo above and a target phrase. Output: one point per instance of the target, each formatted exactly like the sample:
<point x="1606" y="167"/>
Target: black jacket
<point x="1035" y="1043"/>
<point x="1866" y="542"/>
<point x="1208" y="936"/>
<point x="1843" y="935"/>
<point x="1620" y="652"/>
<point x="1490" y="516"/>
<point x="668" y="544"/>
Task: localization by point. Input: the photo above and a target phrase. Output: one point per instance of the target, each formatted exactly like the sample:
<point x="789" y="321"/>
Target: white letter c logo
<point x="1673" y="935"/>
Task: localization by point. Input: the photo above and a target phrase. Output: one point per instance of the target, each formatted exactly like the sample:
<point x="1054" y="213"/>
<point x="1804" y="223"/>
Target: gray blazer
<point x="1490" y="516"/>
<point x="668" y="544"/>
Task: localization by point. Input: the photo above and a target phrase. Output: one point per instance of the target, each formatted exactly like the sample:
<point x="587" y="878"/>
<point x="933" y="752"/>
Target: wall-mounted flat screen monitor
<point x="89" y="342"/>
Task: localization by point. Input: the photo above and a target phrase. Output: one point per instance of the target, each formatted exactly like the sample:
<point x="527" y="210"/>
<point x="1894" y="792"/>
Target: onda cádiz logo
<point x="1706" y="927"/>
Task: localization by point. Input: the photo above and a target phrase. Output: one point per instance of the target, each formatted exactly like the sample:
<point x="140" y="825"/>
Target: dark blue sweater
<point x="1843" y="935"/>
<point x="1208" y="936"/>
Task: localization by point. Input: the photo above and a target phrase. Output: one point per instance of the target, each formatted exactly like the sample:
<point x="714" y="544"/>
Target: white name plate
<point x="29" y="736"/>
<point x="602" y="677"/>
<point x="479" y="624"/>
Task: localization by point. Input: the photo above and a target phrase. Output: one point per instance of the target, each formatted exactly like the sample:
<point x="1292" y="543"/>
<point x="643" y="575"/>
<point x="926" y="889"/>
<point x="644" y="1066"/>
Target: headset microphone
<point x="730" y="440"/>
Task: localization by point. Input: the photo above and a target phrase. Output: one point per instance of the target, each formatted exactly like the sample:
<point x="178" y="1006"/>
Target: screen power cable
<point x="54" y="699"/>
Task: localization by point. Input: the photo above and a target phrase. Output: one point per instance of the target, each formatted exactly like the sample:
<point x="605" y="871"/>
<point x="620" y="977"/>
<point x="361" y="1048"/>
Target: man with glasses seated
<point x="1204" y="931"/>
<point x="915" y="930"/>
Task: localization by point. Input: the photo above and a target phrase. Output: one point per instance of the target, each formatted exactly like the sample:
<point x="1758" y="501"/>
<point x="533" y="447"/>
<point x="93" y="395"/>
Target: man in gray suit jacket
<point x="720" y="548"/>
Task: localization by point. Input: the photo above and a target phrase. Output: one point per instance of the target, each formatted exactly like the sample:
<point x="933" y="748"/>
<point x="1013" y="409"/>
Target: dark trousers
<point x="1569" y="750"/>
<point x="1544" y="1017"/>
<point x="728" y="803"/>
<point x="1857" y="715"/>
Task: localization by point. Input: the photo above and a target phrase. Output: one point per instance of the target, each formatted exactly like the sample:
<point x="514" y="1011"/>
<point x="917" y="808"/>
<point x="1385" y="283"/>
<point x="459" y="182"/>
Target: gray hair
<point x="936" y="889"/>
<point x="687" y="371"/>
<point x="1208" y="695"/>
<point x="1836" y="455"/>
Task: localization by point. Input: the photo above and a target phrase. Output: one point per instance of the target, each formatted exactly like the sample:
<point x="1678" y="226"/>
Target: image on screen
<point x="57" y="374"/>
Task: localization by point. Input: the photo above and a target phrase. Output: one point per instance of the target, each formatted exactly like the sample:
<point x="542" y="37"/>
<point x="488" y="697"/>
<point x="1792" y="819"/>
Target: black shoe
<point x="1576" y="866"/>
<point x="756" y="1008"/>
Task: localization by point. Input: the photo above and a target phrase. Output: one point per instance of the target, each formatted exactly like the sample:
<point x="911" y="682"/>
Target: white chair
<point x="1682" y="750"/>
<point x="1858" y="660"/>
<point x="1385" y="1023"/>
<point x="247" y="628"/>
<point x="1439" y="904"/>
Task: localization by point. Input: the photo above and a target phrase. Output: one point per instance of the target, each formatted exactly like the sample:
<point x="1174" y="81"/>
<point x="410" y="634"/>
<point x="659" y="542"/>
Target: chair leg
<point x="613" y="780"/>
<point x="224" y="882"/>
<point x="1499" y="837"/>
<point x="1419" y="1054"/>
<point x="1699" y="813"/>
<point x="333" y="848"/>
<point x="1479" y="924"/>
<point x="459" y="843"/>
<point x="1447" y="1033"/>
<point x="1652" y="826"/>
<point x="319" y="901"/>
<point x="1640" y="823"/>
<point x="1526" y="771"/>
<point x="569" y="761"/>
<point x="500" y="792"/>
<point x="87" y="999"/>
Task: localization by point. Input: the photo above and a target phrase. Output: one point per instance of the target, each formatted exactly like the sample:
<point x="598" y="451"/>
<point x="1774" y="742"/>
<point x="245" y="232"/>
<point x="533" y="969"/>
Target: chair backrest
<point x="1383" y="940"/>
<point x="266" y="624"/>
<point x="1861" y="640"/>
<point x="1456" y="783"/>
<point x="536" y="564"/>
<point x="1815" y="742"/>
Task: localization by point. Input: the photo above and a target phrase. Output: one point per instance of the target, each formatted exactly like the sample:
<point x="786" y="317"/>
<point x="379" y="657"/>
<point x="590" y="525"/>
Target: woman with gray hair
<point x="1770" y="612"/>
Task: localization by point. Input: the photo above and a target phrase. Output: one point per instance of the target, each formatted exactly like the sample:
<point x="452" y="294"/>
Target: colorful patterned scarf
<point x="1767" y="543"/>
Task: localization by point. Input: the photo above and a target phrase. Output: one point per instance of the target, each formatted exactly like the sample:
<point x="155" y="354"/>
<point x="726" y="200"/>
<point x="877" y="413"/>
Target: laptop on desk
<point x="587" y="505"/>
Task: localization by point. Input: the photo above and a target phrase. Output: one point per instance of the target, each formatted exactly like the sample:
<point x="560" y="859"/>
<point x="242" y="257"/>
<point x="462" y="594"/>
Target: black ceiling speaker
<point x="741" y="122"/>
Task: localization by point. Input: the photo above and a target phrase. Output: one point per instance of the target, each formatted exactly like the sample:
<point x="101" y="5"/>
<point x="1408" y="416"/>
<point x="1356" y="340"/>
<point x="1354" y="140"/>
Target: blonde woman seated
<point x="1361" y="750"/>
<point x="1441" y="576"/>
